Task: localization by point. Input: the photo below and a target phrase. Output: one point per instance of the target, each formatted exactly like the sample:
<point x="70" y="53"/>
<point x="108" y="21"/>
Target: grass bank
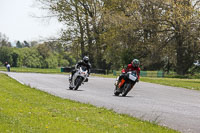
<point x="193" y="84"/>
<point x="25" y="109"/>
<point x="35" y="70"/>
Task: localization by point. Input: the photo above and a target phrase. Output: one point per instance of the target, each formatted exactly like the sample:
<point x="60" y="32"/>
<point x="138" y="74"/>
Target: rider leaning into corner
<point x="134" y="66"/>
<point x="84" y="62"/>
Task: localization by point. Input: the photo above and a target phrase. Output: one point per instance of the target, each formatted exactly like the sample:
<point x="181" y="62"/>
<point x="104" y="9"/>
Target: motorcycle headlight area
<point x="132" y="77"/>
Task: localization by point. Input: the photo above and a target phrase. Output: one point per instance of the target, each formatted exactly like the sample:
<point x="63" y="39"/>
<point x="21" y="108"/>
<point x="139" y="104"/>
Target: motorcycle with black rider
<point x="80" y="74"/>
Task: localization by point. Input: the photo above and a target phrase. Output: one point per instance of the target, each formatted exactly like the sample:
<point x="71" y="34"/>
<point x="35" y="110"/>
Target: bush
<point x="6" y="55"/>
<point x="17" y="58"/>
<point x="51" y="62"/>
<point x="64" y="63"/>
<point x="67" y="57"/>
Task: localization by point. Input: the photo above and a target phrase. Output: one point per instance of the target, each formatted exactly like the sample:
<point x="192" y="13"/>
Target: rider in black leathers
<point x="84" y="62"/>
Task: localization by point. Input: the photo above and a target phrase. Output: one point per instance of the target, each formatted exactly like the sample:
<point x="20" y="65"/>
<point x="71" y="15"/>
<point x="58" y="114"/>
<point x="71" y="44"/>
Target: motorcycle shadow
<point x="124" y="96"/>
<point x="75" y="90"/>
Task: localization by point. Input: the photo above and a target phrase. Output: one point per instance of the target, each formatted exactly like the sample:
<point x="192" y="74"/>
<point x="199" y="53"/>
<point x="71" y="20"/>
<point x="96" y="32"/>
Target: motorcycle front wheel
<point x="71" y="88"/>
<point x="126" y="89"/>
<point x="78" y="82"/>
<point x="116" y="92"/>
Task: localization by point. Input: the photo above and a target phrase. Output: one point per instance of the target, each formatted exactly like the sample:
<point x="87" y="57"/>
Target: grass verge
<point x="24" y="109"/>
<point x="193" y="84"/>
<point x="35" y="70"/>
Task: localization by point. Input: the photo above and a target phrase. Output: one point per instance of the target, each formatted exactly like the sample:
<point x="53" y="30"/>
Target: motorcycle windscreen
<point x="84" y="68"/>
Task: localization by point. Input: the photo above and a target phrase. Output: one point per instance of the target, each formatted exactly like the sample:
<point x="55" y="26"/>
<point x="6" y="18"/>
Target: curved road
<point x="173" y="107"/>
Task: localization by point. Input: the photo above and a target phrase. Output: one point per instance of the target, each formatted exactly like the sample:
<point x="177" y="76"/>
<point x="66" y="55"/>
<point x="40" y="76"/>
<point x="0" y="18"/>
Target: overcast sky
<point x="17" y="23"/>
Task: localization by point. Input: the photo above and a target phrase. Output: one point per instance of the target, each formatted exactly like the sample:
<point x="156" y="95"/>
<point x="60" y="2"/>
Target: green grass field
<point x="193" y="84"/>
<point x="24" y="109"/>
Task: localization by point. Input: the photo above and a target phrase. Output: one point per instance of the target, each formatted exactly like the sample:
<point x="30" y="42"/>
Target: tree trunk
<point x="179" y="64"/>
<point x="89" y="37"/>
<point x="181" y="60"/>
<point x="81" y="32"/>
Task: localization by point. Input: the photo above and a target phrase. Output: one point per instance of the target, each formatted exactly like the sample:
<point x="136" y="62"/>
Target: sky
<point x="17" y="21"/>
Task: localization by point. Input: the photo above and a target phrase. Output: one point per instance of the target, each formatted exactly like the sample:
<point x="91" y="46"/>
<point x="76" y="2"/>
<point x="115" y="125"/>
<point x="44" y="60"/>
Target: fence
<point x="159" y="74"/>
<point x="66" y="69"/>
<point x="97" y="71"/>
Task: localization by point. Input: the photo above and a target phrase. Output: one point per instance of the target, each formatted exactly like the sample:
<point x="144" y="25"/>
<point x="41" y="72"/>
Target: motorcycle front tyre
<point x="71" y="88"/>
<point x="126" y="90"/>
<point x="78" y="83"/>
<point x="116" y="92"/>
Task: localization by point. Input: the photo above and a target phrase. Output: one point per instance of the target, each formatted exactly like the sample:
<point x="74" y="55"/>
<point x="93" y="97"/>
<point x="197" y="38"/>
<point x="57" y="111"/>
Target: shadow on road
<point x="75" y="90"/>
<point x="124" y="97"/>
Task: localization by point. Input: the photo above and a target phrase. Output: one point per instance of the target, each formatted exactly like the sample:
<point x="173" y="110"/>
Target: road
<point x="173" y="107"/>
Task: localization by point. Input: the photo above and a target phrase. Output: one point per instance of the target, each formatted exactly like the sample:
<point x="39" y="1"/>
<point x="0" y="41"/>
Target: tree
<point x="157" y="29"/>
<point x="69" y="12"/>
<point x="181" y="21"/>
<point x="32" y="58"/>
<point x="4" y="40"/>
<point x="6" y="55"/>
<point x="84" y="24"/>
<point x="19" y="44"/>
<point x="44" y="50"/>
<point x="123" y="32"/>
<point x="17" y="57"/>
<point x="33" y="43"/>
<point x="26" y="44"/>
<point x="114" y="32"/>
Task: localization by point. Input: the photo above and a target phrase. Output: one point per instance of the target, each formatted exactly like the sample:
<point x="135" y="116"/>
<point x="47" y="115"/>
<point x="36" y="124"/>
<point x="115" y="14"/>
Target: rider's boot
<point x="117" y="82"/>
<point x="70" y="78"/>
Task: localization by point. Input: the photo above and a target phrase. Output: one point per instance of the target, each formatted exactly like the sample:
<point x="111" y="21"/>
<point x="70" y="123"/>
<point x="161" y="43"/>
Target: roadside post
<point x="114" y="73"/>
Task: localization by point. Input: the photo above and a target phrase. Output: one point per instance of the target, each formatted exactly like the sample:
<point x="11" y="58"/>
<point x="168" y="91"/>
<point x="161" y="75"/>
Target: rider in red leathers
<point x="134" y="66"/>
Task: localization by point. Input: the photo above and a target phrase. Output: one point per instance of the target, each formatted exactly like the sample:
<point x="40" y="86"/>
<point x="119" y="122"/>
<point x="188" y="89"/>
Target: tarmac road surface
<point x="173" y="107"/>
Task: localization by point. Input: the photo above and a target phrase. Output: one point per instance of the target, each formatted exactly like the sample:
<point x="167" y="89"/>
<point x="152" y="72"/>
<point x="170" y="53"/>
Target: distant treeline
<point x="43" y="55"/>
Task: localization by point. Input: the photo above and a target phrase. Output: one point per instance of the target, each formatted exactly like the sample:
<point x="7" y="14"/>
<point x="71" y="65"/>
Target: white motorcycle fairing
<point x="81" y="72"/>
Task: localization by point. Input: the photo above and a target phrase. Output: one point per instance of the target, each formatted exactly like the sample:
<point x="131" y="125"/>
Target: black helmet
<point x="135" y="63"/>
<point x="85" y="59"/>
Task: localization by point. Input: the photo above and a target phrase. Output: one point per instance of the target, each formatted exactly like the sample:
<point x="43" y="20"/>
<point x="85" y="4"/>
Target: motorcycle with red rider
<point x="128" y="78"/>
